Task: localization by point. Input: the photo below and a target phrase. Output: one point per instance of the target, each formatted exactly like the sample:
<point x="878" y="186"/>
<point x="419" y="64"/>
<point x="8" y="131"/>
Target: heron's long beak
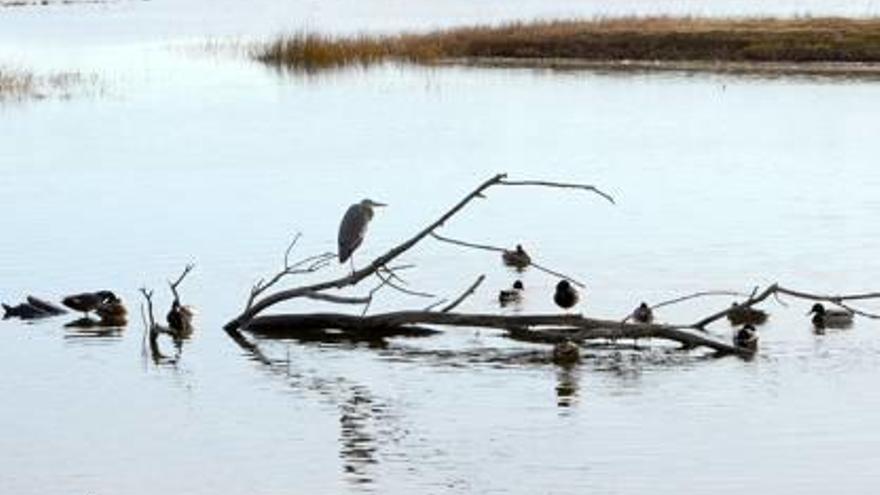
<point x="378" y="204"/>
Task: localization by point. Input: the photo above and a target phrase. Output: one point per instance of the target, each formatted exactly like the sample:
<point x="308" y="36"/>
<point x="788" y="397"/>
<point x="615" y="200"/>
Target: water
<point x="722" y="183"/>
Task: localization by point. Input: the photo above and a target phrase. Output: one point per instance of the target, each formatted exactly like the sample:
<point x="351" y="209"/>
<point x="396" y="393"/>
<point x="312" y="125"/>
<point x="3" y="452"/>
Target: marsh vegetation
<point x="669" y="39"/>
<point x="20" y="84"/>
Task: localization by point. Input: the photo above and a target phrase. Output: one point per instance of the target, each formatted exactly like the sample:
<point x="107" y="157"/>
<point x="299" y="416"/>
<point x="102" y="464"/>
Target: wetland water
<point x="722" y="183"/>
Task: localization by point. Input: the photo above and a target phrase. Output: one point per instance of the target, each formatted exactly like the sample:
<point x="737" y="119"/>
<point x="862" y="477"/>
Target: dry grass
<point x="612" y="39"/>
<point x="18" y="84"/>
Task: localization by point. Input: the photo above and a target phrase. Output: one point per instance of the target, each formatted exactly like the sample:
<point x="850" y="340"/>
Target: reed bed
<point x="603" y="39"/>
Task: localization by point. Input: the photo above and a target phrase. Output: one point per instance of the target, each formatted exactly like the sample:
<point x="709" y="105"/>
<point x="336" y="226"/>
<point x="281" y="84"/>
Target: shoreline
<point x="855" y="70"/>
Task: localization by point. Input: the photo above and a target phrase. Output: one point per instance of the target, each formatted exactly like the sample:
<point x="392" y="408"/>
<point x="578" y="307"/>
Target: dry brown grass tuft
<point x="18" y="84"/>
<point x="606" y="39"/>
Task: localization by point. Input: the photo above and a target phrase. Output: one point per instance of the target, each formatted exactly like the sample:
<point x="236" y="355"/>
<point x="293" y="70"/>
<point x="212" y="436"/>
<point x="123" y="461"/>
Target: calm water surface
<point x="722" y="183"/>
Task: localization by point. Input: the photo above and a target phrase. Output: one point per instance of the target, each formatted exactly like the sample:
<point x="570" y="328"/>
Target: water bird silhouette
<point x="87" y="302"/>
<point x="741" y="315"/>
<point x="643" y="313"/>
<point x="354" y="227"/>
<point x="513" y="295"/>
<point x="747" y="336"/>
<point x="566" y="295"/>
<point x="518" y="258"/>
<point x="830" y="318"/>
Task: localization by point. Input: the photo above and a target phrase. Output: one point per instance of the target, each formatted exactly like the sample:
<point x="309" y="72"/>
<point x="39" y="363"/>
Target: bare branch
<point x="560" y="185"/>
<point x="467" y="244"/>
<point x="318" y="296"/>
<point x="394" y="286"/>
<point x="470" y="290"/>
<point x="486" y="247"/>
<point x="698" y="294"/>
<point x="174" y="285"/>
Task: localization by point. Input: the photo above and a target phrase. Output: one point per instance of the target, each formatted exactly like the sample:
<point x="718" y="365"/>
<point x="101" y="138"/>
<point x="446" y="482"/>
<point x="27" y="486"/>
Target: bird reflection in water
<point x="358" y="444"/>
<point x="567" y="385"/>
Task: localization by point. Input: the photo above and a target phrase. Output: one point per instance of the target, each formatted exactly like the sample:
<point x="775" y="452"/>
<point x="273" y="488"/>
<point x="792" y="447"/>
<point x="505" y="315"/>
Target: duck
<point x="747" y="337"/>
<point x="830" y="318"/>
<point x="566" y="296"/>
<point x="112" y="313"/>
<point x="566" y="353"/>
<point x="25" y="311"/>
<point x="45" y="306"/>
<point x="87" y="302"/>
<point x="643" y="313"/>
<point x="741" y="315"/>
<point x="518" y="258"/>
<point x="509" y="296"/>
<point x="179" y="319"/>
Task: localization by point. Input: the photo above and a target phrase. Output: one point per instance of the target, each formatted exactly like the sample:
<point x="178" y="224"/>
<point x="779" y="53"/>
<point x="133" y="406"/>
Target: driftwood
<point x="550" y="328"/>
<point x="541" y="328"/>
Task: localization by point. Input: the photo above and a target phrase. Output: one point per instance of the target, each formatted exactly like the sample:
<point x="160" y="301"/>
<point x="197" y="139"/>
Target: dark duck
<point x="643" y="313"/>
<point x="565" y="296"/>
<point x="518" y="258"/>
<point x="87" y="302"/>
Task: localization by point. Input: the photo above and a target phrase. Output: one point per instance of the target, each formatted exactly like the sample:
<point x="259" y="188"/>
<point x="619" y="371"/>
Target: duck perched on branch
<point x="830" y="318"/>
<point x="643" y="313"/>
<point x="112" y="313"/>
<point x="518" y="258"/>
<point x="179" y="319"/>
<point x="741" y="315"/>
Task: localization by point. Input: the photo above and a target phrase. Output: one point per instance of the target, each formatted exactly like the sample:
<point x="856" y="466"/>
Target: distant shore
<point x="800" y="45"/>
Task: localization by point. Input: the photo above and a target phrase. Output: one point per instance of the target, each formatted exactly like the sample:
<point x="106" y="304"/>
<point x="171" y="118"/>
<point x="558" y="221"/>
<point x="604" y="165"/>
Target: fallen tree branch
<point x="467" y="293"/>
<point x="775" y="289"/>
<point x="368" y="327"/>
<point x="254" y="306"/>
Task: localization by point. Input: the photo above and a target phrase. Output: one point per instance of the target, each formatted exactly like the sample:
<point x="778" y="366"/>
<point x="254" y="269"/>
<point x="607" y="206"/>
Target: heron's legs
<point x="351" y="260"/>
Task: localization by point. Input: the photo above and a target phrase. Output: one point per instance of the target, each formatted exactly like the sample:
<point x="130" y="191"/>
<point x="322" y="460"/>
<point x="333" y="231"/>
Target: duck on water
<point x="830" y="318"/>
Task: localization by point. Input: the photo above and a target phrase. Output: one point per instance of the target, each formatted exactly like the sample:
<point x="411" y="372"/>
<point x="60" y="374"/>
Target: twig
<point x="467" y="244"/>
<point x="470" y="290"/>
<point x="696" y="295"/>
<point x="487" y="247"/>
<point x="319" y="296"/>
<point x="394" y="286"/>
<point x="560" y="185"/>
<point x="174" y="285"/>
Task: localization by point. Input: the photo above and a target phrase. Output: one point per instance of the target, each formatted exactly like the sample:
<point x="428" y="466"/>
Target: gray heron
<point x="354" y="227"/>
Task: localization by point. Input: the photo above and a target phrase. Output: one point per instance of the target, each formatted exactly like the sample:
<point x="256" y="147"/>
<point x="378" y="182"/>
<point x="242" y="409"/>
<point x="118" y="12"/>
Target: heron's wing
<point x="351" y="232"/>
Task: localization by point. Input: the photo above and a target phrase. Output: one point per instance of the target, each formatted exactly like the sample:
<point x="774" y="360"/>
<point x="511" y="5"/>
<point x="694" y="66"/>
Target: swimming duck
<point x="88" y="301"/>
<point x="566" y="352"/>
<point x="517" y="258"/>
<point x="643" y="313"/>
<point x="25" y="311"/>
<point x="112" y="313"/>
<point x="45" y="306"/>
<point x="509" y="296"/>
<point x="566" y="296"/>
<point x="746" y="336"/>
<point x="741" y="315"/>
<point x="179" y="319"/>
<point x="830" y="318"/>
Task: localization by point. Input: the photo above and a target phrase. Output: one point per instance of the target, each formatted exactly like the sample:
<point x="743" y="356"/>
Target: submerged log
<point x="553" y="327"/>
